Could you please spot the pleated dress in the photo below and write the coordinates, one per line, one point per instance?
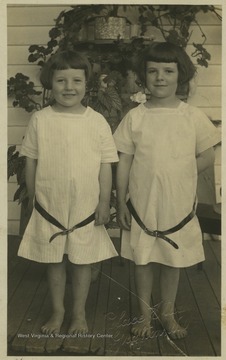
(163, 180)
(69, 149)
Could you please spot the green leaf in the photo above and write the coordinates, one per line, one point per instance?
(114, 97)
(104, 99)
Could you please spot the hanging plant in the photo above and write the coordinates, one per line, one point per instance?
(179, 19)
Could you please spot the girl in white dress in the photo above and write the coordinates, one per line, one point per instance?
(69, 150)
(163, 144)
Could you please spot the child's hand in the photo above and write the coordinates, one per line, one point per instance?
(102, 213)
(124, 216)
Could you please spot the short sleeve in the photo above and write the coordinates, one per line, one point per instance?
(30, 143)
(123, 136)
(107, 145)
(207, 135)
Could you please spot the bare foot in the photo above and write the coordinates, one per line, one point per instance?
(173, 329)
(54, 324)
(78, 326)
(142, 328)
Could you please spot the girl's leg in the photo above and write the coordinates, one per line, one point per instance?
(56, 274)
(144, 281)
(169, 279)
(81, 278)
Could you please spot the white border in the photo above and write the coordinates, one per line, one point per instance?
(3, 167)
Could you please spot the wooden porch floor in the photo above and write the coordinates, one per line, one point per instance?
(111, 307)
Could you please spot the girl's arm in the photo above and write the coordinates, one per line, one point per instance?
(122, 180)
(205, 159)
(30, 171)
(102, 212)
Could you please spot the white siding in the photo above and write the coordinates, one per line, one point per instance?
(30, 24)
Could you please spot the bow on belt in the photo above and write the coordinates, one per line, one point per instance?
(158, 233)
(55, 222)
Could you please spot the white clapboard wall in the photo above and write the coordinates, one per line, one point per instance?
(30, 24)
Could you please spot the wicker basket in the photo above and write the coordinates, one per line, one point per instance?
(110, 28)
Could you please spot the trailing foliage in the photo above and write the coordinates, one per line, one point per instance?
(23, 92)
(16, 166)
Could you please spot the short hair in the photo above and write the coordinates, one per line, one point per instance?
(166, 52)
(63, 60)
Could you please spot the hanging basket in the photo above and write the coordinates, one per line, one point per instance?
(111, 28)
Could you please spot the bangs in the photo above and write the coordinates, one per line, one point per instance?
(163, 57)
(65, 62)
(159, 53)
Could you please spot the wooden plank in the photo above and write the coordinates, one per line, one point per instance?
(25, 331)
(197, 340)
(209, 18)
(212, 270)
(13, 210)
(206, 96)
(18, 117)
(216, 248)
(13, 244)
(16, 134)
(118, 315)
(141, 346)
(213, 34)
(19, 303)
(210, 76)
(13, 227)
(17, 55)
(98, 342)
(208, 306)
(33, 14)
(28, 35)
(18, 267)
(37, 342)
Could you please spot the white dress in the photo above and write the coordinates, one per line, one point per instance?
(70, 149)
(163, 180)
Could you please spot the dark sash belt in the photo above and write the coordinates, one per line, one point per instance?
(54, 221)
(158, 233)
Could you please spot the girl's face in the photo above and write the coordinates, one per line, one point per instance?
(162, 79)
(68, 88)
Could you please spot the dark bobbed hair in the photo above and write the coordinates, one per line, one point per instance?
(63, 60)
(166, 52)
